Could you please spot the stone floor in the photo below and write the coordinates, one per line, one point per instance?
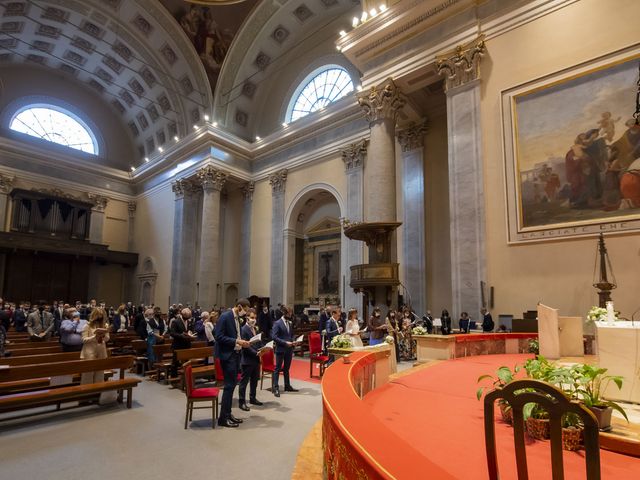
(150, 442)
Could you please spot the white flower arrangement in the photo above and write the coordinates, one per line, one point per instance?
(419, 330)
(597, 314)
(341, 341)
(389, 340)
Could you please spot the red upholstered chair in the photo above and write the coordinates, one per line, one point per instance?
(316, 354)
(198, 395)
(267, 366)
(220, 373)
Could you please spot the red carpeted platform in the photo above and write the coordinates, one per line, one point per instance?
(436, 412)
(300, 370)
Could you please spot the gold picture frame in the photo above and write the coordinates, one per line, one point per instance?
(572, 151)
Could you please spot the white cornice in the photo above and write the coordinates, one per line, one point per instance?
(423, 55)
(59, 183)
(43, 156)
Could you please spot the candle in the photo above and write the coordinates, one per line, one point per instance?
(611, 316)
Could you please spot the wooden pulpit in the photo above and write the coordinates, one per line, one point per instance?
(559, 336)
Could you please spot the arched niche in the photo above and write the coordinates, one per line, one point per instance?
(313, 261)
(147, 279)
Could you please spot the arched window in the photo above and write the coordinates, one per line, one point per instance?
(54, 124)
(320, 88)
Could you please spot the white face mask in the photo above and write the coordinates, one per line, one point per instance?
(251, 321)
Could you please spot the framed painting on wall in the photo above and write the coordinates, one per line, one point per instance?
(328, 272)
(572, 152)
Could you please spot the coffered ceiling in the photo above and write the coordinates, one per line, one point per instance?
(133, 53)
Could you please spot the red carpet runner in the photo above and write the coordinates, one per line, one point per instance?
(300, 371)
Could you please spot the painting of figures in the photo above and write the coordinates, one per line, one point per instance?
(211, 29)
(577, 148)
(329, 273)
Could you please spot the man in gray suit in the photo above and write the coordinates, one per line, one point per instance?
(40, 324)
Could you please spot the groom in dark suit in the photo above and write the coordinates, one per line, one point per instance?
(250, 364)
(228, 347)
(282, 335)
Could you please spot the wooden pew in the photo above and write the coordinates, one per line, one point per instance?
(195, 356)
(29, 344)
(37, 359)
(34, 384)
(164, 357)
(57, 396)
(142, 363)
(35, 351)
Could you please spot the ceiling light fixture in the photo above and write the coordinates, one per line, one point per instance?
(342, 33)
(355, 22)
(215, 124)
(133, 169)
(206, 117)
(373, 12)
(338, 48)
(195, 127)
(364, 17)
(285, 124)
(382, 7)
(258, 138)
(176, 138)
(146, 159)
(160, 149)
(359, 88)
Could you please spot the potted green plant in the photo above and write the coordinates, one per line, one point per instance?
(572, 432)
(503, 376)
(534, 346)
(590, 384)
(536, 421)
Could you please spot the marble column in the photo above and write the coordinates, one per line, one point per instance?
(6, 185)
(212, 181)
(131, 207)
(381, 106)
(411, 142)
(461, 69)
(184, 242)
(353, 156)
(96, 227)
(278, 182)
(245, 241)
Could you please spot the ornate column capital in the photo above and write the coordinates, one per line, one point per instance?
(131, 207)
(353, 155)
(99, 202)
(412, 137)
(182, 187)
(383, 101)
(6, 183)
(211, 178)
(247, 190)
(462, 65)
(278, 181)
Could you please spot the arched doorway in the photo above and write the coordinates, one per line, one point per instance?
(314, 264)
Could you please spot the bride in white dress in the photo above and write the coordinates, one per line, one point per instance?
(353, 328)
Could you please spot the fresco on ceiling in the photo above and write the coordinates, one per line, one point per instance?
(211, 29)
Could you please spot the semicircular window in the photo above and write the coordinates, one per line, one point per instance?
(55, 124)
(319, 90)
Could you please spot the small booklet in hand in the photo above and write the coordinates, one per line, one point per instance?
(256, 338)
(299, 339)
